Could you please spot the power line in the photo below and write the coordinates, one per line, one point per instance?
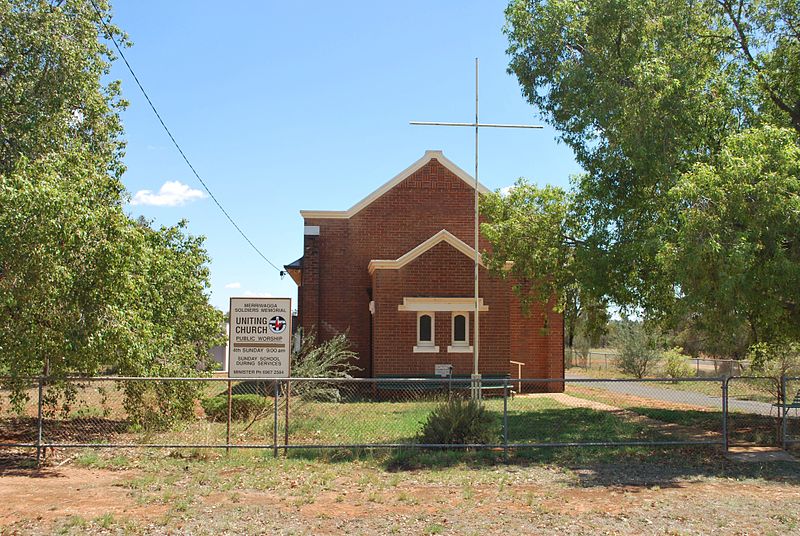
(171, 137)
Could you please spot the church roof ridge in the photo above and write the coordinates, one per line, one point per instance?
(429, 155)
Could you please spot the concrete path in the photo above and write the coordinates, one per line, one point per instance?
(653, 391)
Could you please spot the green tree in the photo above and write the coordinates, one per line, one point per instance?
(735, 255)
(685, 116)
(52, 98)
(83, 288)
(531, 227)
(61, 265)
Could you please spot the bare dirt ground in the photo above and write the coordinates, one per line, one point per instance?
(208, 493)
(51, 495)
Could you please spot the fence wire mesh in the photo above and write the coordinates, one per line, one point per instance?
(754, 411)
(687, 411)
(18, 424)
(791, 411)
(125, 413)
(327, 413)
(608, 359)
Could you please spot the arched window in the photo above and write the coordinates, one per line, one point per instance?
(425, 329)
(460, 329)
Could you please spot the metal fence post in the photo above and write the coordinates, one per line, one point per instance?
(286, 420)
(505, 418)
(228, 430)
(39, 425)
(275, 421)
(785, 412)
(725, 414)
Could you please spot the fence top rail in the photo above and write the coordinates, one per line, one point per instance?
(774, 378)
(409, 380)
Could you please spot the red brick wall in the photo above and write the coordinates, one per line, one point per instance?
(336, 284)
(537, 339)
(440, 272)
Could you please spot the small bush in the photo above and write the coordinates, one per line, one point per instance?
(330, 359)
(638, 348)
(459, 421)
(157, 405)
(243, 407)
(675, 365)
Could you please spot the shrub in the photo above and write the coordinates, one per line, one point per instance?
(320, 394)
(638, 348)
(458, 421)
(330, 359)
(775, 359)
(243, 407)
(157, 405)
(675, 365)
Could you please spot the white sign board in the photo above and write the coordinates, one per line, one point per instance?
(443, 370)
(260, 338)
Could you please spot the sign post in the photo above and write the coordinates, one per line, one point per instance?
(260, 344)
(260, 338)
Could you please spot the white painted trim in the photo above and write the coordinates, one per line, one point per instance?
(453, 342)
(432, 342)
(311, 230)
(426, 349)
(442, 236)
(397, 179)
(441, 304)
(459, 349)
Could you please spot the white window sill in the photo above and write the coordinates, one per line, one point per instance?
(459, 349)
(426, 349)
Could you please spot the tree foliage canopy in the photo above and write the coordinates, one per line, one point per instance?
(685, 115)
(83, 287)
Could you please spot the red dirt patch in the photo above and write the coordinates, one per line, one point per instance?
(56, 494)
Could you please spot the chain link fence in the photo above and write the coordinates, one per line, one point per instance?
(791, 408)
(754, 411)
(43, 419)
(608, 359)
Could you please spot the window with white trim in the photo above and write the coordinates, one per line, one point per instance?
(460, 329)
(459, 332)
(426, 332)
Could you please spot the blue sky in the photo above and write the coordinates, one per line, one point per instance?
(283, 106)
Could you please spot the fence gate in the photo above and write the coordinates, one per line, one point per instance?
(754, 411)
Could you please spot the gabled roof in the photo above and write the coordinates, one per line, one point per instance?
(294, 265)
(442, 236)
(400, 177)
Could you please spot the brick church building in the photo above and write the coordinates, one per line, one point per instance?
(396, 270)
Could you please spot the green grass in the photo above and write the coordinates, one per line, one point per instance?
(539, 420)
(94, 459)
(530, 420)
(543, 420)
(743, 428)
